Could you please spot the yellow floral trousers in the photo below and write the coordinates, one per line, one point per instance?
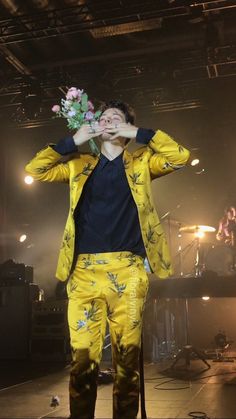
(113, 287)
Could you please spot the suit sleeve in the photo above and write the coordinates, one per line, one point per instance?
(166, 155)
(46, 166)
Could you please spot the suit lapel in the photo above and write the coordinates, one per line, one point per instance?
(128, 165)
(134, 178)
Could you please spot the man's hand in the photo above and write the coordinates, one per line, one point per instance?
(123, 129)
(86, 132)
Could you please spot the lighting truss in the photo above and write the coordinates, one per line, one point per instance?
(99, 17)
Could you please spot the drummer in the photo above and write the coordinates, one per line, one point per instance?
(227, 227)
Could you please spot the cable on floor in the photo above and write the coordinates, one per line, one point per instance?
(198, 415)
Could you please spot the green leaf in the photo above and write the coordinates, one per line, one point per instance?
(84, 102)
(76, 106)
(73, 124)
(97, 114)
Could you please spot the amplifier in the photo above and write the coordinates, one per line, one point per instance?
(15, 310)
(49, 330)
(10, 271)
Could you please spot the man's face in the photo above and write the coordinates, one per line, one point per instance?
(229, 215)
(110, 118)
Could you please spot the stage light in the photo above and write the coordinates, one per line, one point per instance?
(200, 234)
(22, 238)
(205, 298)
(28, 180)
(200, 172)
(195, 162)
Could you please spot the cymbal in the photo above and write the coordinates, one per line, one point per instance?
(197, 228)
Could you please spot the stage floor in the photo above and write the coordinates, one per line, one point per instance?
(26, 390)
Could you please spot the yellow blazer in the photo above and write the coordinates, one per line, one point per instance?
(162, 155)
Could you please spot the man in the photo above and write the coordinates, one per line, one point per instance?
(227, 233)
(112, 225)
(227, 227)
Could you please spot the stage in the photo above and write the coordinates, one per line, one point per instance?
(27, 390)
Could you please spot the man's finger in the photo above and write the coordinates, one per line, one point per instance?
(96, 134)
(115, 136)
(111, 130)
(97, 130)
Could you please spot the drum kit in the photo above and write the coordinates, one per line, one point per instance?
(217, 258)
(199, 255)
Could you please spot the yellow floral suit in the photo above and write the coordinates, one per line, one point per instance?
(110, 285)
(162, 156)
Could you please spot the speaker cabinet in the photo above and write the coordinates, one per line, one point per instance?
(15, 308)
(49, 331)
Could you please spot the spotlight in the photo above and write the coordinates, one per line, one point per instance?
(199, 234)
(205, 298)
(22, 238)
(194, 162)
(28, 180)
(200, 172)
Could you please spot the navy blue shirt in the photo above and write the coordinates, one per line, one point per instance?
(106, 216)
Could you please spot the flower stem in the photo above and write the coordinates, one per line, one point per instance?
(93, 147)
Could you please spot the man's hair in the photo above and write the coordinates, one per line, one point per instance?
(122, 106)
(232, 210)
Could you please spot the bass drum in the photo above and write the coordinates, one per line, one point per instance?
(219, 259)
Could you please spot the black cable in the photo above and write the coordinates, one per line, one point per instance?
(198, 415)
(169, 381)
(157, 386)
(215, 375)
(170, 388)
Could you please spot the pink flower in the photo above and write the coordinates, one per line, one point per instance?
(71, 95)
(90, 106)
(79, 95)
(56, 108)
(89, 116)
(74, 93)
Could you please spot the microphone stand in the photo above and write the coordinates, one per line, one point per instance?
(167, 216)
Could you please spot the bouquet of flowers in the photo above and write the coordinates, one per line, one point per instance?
(78, 110)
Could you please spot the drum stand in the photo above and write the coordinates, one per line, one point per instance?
(199, 263)
(188, 349)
